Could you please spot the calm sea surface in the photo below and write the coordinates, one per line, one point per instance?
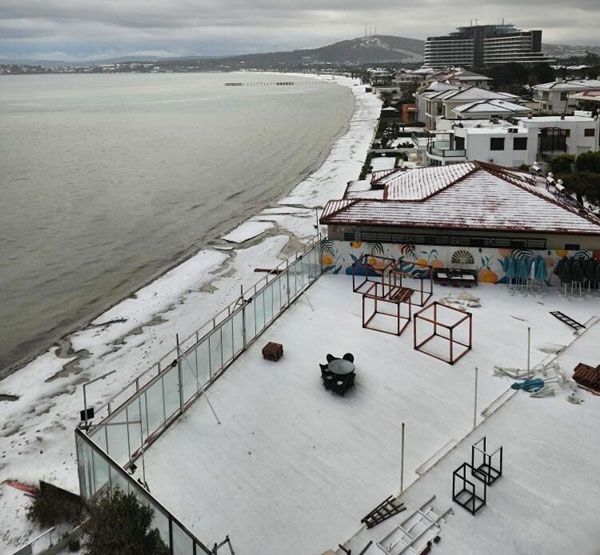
(108, 180)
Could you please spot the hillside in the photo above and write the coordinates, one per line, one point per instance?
(374, 49)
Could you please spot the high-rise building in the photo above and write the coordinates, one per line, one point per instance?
(482, 45)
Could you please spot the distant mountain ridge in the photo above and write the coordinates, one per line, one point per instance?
(369, 49)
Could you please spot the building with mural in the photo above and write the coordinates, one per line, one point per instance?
(472, 214)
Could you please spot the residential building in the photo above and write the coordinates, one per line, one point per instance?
(494, 108)
(473, 204)
(442, 103)
(481, 45)
(557, 95)
(511, 143)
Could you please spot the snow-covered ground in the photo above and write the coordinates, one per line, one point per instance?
(293, 468)
(548, 498)
(36, 430)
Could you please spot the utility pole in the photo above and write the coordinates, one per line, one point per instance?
(402, 462)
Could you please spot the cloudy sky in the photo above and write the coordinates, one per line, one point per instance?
(95, 29)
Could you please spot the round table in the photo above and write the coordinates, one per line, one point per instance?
(341, 367)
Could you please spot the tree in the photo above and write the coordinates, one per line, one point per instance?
(120, 525)
(583, 184)
(562, 163)
(588, 162)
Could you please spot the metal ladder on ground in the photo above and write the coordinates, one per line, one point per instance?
(569, 321)
(409, 536)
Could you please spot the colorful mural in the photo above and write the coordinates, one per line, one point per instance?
(490, 263)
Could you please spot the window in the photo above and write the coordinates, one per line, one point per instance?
(571, 247)
(497, 143)
(520, 143)
(564, 96)
(591, 132)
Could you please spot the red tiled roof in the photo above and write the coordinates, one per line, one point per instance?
(473, 195)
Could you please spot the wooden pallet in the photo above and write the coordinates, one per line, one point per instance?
(569, 321)
(388, 508)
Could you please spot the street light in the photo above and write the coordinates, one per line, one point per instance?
(86, 414)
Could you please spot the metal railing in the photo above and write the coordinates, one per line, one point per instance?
(100, 473)
(143, 410)
(446, 152)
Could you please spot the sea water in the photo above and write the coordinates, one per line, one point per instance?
(108, 180)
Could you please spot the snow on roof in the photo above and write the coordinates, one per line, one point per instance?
(495, 105)
(572, 85)
(587, 95)
(472, 195)
(475, 93)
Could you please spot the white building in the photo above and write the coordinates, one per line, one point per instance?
(556, 96)
(510, 143)
(442, 103)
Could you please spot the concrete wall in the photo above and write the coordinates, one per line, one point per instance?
(338, 257)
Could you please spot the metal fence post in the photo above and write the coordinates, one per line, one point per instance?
(244, 338)
(179, 374)
(287, 277)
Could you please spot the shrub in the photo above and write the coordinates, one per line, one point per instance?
(53, 506)
(588, 162)
(120, 525)
(563, 163)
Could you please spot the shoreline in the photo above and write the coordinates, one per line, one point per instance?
(137, 331)
(60, 338)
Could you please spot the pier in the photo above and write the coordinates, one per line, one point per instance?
(276, 83)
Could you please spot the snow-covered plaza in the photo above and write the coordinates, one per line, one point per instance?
(284, 466)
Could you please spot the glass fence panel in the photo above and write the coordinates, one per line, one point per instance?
(292, 278)
(203, 362)
(214, 342)
(101, 473)
(250, 321)
(155, 406)
(117, 480)
(182, 543)
(171, 387)
(276, 293)
(238, 331)
(116, 433)
(134, 423)
(268, 303)
(189, 372)
(85, 466)
(227, 338)
(259, 312)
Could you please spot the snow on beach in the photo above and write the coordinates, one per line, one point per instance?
(37, 427)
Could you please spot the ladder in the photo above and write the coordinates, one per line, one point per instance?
(410, 535)
(569, 321)
(388, 508)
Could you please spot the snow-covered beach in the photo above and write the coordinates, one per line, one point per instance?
(37, 426)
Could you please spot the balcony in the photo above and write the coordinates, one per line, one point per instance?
(442, 151)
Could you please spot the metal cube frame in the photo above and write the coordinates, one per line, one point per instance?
(466, 494)
(489, 468)
(362, 263)
(431, 314)
(422, 295)
(379, 294)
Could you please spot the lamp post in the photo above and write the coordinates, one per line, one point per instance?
(85, 408)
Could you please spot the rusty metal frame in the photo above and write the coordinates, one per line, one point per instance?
(396, 275)
(422, 316)
(360, 263)
(380, 293)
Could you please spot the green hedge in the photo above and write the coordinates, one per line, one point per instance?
(588, 162)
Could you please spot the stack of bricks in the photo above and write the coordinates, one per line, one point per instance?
(272, 351)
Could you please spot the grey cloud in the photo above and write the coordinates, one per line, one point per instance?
(249, 25)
